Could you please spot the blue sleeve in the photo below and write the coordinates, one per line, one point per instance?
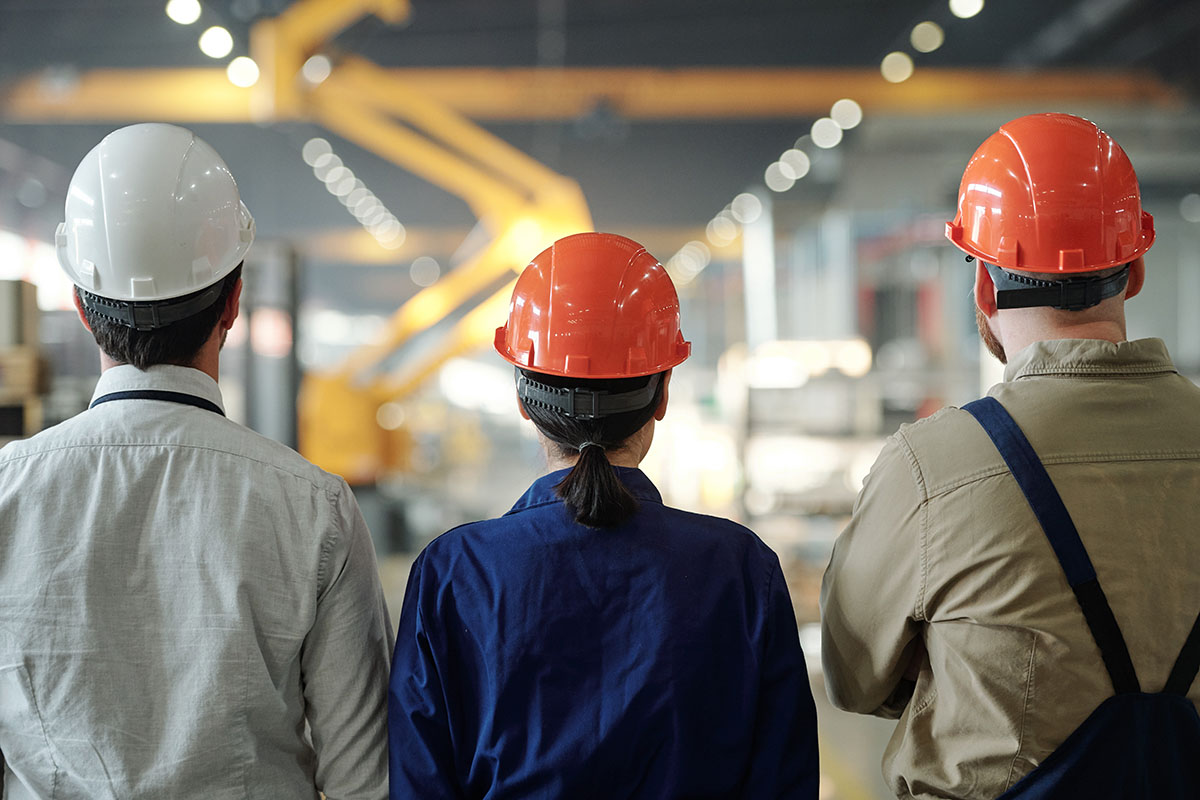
(420, 754)
(784, 764)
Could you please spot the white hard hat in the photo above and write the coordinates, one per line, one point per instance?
(152, 213)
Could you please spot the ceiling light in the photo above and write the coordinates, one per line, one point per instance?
(896, 67)
(776, 180)
(216, 42)
(746, 208)
(344, 187)
(316, 69)
(965, 9)
(826, 133)
(846, 113)
(927, 37)
(242, 71)
(315, 148)
(185, 12)
(795, 164)
(721, 230)
(1189, 207)
(425, 271)
(335, 174)
(325, 164)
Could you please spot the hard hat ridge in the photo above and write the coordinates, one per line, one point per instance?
(152, 214)
(1051, 193)
(593, 306)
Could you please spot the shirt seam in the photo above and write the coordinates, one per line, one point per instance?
(1024, 714)
(923, 522)
(175, 445)
(1068, 370)
(1072, 458)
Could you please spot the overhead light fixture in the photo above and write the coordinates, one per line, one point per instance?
(965, 9)
(1189, 207)
(316, 69)
(342, 183)
(794, 163)
(216, 42)
(315, 148)
(185, 12)
(425, 271)
(777, 179)
(896, 67)
(927, 37)
(846, 113)
(242, 71)
(826, 133)
(746, 208)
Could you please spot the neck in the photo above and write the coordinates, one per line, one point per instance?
(630, 454)
(1020, 328)
(208, 360)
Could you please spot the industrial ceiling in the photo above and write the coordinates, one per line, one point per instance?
(661, 110)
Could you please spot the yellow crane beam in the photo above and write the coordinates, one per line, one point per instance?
(205, 95)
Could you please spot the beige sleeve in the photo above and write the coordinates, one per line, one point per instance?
(873, 588)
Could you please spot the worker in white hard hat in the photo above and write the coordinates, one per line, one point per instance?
(1020, 580)
(187, 609)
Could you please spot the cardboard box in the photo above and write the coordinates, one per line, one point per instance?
(18, 314)
(22, 373)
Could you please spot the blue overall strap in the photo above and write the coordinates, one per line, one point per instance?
(1056, 522)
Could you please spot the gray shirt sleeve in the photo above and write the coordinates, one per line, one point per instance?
(345, 661)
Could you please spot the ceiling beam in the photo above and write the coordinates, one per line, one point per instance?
(515, 95)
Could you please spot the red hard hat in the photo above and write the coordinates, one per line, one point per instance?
(594, 305)
(1051, 193)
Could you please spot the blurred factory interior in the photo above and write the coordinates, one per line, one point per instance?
(792, 164)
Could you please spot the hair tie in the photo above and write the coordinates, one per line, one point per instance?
(590, 444)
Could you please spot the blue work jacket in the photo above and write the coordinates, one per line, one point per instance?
(539, 658)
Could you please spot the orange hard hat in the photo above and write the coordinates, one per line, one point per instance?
(1051, 193)
(594, 305)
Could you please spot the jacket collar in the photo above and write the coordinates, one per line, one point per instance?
(163, 377)
(1090, 357)
(542, 490)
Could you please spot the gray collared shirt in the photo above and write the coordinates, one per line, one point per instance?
(187, 609)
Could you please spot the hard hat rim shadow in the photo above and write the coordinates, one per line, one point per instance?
(1051, 193)
(593, 306)
(152, 214)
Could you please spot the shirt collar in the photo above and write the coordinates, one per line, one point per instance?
(542, 490)
(1090, 357)
(166, 377)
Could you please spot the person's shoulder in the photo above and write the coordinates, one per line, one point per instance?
(61, 436)
(249, 444)
(705, 529)
(943, 450)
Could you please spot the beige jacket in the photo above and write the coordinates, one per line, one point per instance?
(944, 549)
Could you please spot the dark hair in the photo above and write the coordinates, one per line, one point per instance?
(592, 490)
(177, 343)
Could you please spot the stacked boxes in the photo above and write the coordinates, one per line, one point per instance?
(23, 376)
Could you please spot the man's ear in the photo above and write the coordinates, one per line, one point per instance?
(521, 407)
(1137, 277)
(79, 309)
(661, 411)
(985, 290)
(233, 306)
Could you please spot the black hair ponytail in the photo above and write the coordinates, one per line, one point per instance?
(592, 490)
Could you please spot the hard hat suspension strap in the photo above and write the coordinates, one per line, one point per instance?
(151, 315)
(584, 403)
(1072, 294)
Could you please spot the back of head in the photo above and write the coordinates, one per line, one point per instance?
(154, 234)
(593, 327)
(1051, 204)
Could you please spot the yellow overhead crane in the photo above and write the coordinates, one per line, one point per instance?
(523, 205)
(520, 202)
